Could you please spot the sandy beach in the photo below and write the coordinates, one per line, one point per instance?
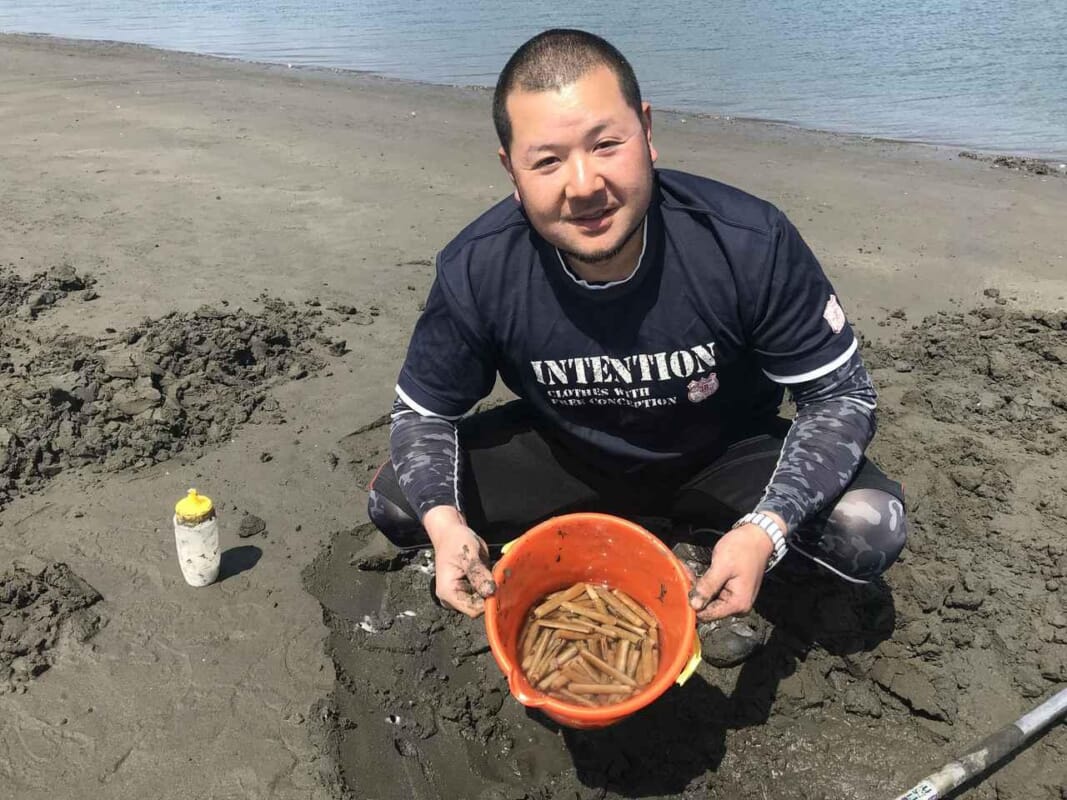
(305, 208)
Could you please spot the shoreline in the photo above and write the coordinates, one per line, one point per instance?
(1054, 164)
(856, 199)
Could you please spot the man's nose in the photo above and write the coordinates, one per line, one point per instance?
(584, 179)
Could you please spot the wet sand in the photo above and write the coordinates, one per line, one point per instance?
(177, 181)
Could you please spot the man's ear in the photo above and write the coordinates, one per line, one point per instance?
(646, 123)
(505, 162)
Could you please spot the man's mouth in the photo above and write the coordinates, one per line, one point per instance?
(592, 220)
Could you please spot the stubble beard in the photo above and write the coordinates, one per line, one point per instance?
(600, 256)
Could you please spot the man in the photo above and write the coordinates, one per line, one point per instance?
(648, 320)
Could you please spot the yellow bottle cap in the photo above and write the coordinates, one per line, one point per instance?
(194, 508)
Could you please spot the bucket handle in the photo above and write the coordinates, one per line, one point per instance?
(691, 665)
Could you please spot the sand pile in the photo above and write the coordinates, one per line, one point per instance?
(140, 396)
(993, 369)
(26, 298)
(987, 564)
(36, 609)
(859, 691)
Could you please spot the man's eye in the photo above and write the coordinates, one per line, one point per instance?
(545, 162)
(607, 144)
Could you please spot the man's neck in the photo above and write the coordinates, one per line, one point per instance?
(618, 268)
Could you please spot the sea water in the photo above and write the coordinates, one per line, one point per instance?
(980, 73)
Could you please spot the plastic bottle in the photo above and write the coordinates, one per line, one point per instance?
(196, 533)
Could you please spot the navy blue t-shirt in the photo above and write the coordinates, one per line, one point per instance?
(726, 305)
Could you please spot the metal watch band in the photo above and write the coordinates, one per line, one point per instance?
(770, 527)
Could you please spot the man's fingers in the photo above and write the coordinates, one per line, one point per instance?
(707, 587)
(471, 604)
(735, 597)
(461, 599)
(481, 579)
(474, 568)
(718, 609)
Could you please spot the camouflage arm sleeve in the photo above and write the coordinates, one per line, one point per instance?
(824, 447)
(425, 454)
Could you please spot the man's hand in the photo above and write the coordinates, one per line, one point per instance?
(463, 579)
(733, 580)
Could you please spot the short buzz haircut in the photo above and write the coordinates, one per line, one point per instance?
(554, 59)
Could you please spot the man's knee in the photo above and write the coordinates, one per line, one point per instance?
(398, 525)
(865, 533)
(860, 539)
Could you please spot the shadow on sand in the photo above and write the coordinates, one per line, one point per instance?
(664, 748)
(237, 560)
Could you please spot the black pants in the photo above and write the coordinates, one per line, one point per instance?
(518, 472)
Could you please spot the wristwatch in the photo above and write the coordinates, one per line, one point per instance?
(770, 527)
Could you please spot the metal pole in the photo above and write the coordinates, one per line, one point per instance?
(989, 751)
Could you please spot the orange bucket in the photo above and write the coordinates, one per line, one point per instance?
(598, 549)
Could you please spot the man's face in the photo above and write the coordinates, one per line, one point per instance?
(581, 161)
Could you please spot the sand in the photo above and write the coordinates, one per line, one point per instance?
(284, 221)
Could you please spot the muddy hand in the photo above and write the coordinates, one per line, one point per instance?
(463, 578)
(733, 580)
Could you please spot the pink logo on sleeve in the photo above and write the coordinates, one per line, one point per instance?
(834, 315)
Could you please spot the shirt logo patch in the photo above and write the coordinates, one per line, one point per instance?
(834, 315)
(703, 388)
